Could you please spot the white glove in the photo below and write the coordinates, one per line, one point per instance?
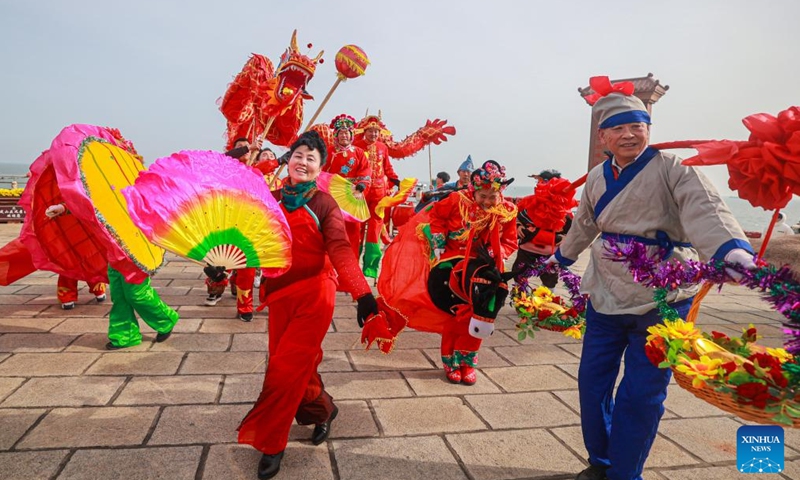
(438, 253)
(55, 210)
(739, 256)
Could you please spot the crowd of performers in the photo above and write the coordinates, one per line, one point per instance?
(472, 221)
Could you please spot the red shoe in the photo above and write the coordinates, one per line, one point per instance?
(453, 375)
(468, 375)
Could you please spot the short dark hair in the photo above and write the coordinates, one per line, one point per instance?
(313, 141)
(241, 139)
(444, 176)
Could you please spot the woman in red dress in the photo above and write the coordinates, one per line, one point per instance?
(301, 305)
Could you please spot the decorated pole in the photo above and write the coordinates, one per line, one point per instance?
(351, 62)
(430, 165)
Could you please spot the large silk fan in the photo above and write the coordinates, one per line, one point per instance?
(404, 190)
(210, 208)
(340, 188)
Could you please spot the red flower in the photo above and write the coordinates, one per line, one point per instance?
(753, 393)
(729, 367)
(751, 335)
(655, 350)
(769, 364)
(543, 314)
(720, 336)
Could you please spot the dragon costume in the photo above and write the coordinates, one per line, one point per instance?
(259, 92)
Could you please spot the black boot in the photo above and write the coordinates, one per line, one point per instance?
(322, 430)
(594, 472)
(269, 465)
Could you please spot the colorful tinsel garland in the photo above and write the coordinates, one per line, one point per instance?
(539, 309)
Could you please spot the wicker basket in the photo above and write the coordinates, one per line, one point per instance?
(723, 401)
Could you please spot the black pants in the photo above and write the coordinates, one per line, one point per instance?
(524, 261)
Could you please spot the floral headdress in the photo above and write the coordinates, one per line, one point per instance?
(343, 122)
(491, 176)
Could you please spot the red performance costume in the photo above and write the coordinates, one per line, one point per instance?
(351, 163)
(301, 303)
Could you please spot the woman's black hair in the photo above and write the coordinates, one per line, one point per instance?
(444, 176)
(313, 141)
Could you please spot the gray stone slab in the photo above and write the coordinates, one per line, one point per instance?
(570, 369)
(233, 325)
(224, 362)
(46, 364)
(685, 404)
(173, 463)
(522, 410)
(28, 325)
(240, 462)
(536, 355)
(242, 388)
(28, 311)
(366, 385)
(250, 342)
(435, 383)
(343, 341)
(198, 424)
(15, 423)
(34, 342)
(335, 361)
(79, 326)
(501, 338)
(574, 348)
(396, 459)
(96, 342)
(224, 310)
(170, 390)
(8, 385)
(193, 342)
(414, 416)
(373, 360)
(30, 465)
(91, 427)
(711, 439)
(664, 453)
(486, 358)
(92, 310)
(65, 392)
(528, 454)
(530, 378)
(419, 340)
(137, 363)
(711, 473)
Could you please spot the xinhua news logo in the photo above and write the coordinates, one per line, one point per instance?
(759, 449)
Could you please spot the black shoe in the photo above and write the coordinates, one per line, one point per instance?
(322, 430)
(111, 346)
(594, 472)
(246, 317)
(269, 465)
(163, 336)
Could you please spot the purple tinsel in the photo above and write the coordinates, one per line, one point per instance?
(778, 285)
(571, 281)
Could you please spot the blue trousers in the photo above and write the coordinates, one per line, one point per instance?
(618, 433)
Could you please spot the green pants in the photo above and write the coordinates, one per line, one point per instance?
(127, 298)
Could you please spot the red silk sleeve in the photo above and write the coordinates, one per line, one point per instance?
(508, 238)
(388, 170)
(363, 170)
(337, 245)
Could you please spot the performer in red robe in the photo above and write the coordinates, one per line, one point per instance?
(67, 291)
(301, 303)
(351, 163)
(382, 175)
(459, 223)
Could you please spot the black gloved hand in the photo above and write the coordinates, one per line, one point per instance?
(284, 159)
(367, 305)
(395, 181)
(361, 187)
(216, 274)
(238, 152)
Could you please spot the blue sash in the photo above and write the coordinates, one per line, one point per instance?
(614, 186)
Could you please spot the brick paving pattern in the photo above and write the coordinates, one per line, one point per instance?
(69, 409)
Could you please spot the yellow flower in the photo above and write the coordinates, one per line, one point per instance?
(543, 292)
(678, 329)
(780, 354)
(701, 370)
(574, 332)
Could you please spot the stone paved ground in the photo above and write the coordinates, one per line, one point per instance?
(71, 410)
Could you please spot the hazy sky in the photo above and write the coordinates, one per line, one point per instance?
(504, 73)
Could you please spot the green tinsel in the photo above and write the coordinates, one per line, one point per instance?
(665, 311)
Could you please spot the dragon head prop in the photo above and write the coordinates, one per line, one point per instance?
(294, 72)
